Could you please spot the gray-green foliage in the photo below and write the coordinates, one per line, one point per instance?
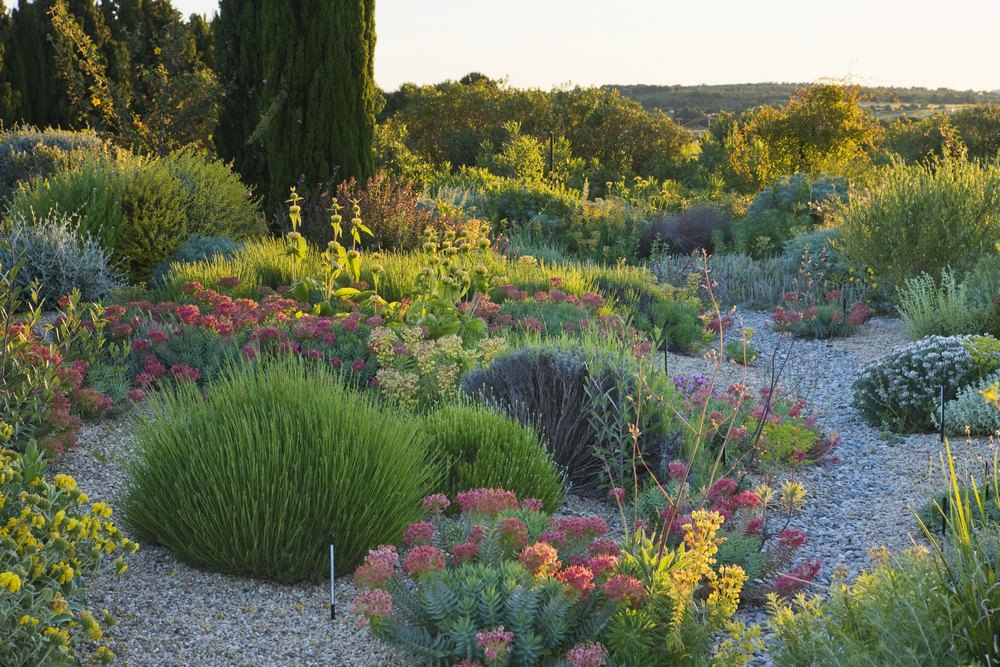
(481, 448)
(796, 203)
(902, 389)
(437, 622)
(938, 308)
(253, 476)
(58, 258)
(969, 411)
(27, 153)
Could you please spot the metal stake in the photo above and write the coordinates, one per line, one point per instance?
(333, 589)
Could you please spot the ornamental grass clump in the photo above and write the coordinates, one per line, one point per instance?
(253, 476)
(902, 389)
(484, 448)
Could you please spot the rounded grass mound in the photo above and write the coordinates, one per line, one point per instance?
(253, 477)
(485, 449)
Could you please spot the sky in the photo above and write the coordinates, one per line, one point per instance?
(547, 43)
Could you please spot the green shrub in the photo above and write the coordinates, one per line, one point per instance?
(92, 192)
(819, 244)
(27, 153)
(52, 551)
(792, 205)
(485, 449)
(924, 218)
(217, 203)
(154, 208)
(903, 388)
(983, 284)
(254, 477)
(938, 308)
(58, 259)
(968, 413)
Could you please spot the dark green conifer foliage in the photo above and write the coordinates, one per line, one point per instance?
(318, 102)
(240, 69)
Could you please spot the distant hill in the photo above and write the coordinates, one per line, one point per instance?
(693, 106)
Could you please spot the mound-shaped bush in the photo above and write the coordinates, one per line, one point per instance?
(253, 477)
(693, 229)
(58, 259)
(482, 448)
(903, 388)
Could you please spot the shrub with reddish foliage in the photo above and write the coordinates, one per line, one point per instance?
(826, 318)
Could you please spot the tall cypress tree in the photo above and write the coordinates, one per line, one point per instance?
(240, 68)
(316, 103)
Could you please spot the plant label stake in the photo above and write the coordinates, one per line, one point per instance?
(942, 411)
(333, 590)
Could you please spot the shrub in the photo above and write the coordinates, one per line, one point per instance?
(154, 208)
(53, 549)
(27, 153)
(968, 413)
(933, 308)
(983, 285)
(91, 192)
(197, 249)
(819, 244)
(903, 388)
(58, 259)
(582, 405)
(33, 403)
(924, 218)
(254, 476)
(483, 448)
(779, 212)
(217, 203)
(696, 228)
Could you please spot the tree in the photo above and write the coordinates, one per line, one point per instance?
(315, 89)
(150, 92)
(979, 127)
(237, 31)
(822, 129)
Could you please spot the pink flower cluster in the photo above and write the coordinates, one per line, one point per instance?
(489, 502)
(589, 654)
(372, 603)
(540, 559)
(495, 643)
(377, 568)
(623, 588)
(423, 560)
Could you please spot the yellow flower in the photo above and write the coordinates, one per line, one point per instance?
(96, 101)
(10, 581)
(64, 482)
(992, 393)
(156, 51)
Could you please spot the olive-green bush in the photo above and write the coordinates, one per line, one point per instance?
(254, 476)
(482, 448)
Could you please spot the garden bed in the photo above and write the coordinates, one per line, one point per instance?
(170, 613)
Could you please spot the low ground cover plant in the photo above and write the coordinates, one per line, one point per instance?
(829, 317)
(505, 584)
(254, 474)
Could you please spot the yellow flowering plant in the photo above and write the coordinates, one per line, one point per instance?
(51, 546)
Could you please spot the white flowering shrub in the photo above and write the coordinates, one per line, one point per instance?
(902, 389)
(969, 413)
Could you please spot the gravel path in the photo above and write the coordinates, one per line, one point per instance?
(171, 614)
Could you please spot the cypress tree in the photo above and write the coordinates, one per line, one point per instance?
(318, 101)
(237, 31)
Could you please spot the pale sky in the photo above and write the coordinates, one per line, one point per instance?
(544, 43)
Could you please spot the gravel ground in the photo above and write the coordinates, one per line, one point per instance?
(171, 614)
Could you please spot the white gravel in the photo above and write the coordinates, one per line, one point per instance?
(171, 614)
